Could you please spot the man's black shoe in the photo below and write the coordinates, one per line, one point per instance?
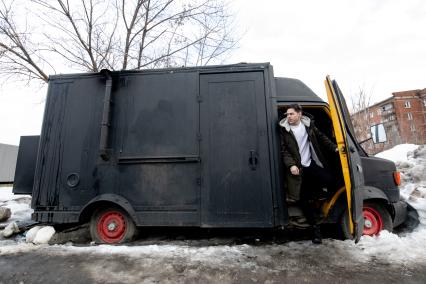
(316, 238)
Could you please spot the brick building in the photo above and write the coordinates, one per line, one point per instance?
(403, 116)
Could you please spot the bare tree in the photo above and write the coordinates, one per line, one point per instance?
(361, 117)
(18, 56)
(89, 35)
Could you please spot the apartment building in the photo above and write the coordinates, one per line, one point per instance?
(403, 116)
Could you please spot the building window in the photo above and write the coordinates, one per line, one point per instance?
(410, 116)
(371, 114)
(407, 104)
(424, 102)
(387, 107)
(412, 127)
(378, 111)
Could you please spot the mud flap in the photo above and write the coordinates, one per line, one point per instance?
(411, 221)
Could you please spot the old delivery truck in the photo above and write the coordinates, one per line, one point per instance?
(190, 147)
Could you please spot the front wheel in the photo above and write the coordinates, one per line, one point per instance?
(376, 218)
(112, 226)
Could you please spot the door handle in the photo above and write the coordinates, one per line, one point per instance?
(253, 160)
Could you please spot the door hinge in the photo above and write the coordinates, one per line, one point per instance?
(198, 181)
(199, 99)
(199, 136)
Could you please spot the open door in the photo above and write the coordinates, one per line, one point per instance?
(349, 157)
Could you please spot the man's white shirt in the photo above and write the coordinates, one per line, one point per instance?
(301, 135)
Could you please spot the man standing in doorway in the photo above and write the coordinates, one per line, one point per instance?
(304, 162)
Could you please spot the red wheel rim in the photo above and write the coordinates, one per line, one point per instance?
(373, 222)
(112, 227)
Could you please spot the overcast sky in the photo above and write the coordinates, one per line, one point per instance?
(376, 45)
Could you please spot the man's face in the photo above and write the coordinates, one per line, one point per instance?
(293, 117)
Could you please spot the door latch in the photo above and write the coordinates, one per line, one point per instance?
(253, 160)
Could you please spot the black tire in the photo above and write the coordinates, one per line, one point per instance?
(344, 226)
(376, 219)
(112, 225)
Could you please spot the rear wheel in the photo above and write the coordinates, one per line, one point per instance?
(112, 226)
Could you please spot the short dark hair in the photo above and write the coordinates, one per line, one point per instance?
(296, 107)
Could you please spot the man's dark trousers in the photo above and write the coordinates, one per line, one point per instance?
(314, 179)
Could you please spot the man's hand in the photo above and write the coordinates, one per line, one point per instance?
(294, 170)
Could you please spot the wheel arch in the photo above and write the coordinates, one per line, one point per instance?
(107, 200)
(370, 193)
(375, 194)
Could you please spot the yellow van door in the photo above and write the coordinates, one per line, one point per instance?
(349, 157)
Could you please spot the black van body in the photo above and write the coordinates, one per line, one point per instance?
(175, 147)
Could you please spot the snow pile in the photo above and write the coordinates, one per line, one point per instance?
(39, 235)
(21, 212)
(411, 162)
(10, 229)
(413, 176)
(399, 153)
(44, 235)
(18, 204)
(31, 234)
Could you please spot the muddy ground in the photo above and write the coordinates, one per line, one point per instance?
(36, 267)
(217, 259)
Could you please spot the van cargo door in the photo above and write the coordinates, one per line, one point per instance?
(236, 188)
(25, 165)
(349, 156)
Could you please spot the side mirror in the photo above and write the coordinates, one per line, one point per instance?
(378, 133)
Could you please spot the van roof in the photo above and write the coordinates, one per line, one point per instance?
(244, 67)
(294, 90)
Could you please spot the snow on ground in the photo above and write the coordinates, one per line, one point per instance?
(404, 248)
(398, 153)
(18, 204)
(411, 162)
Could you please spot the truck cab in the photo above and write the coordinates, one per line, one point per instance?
(382, 207)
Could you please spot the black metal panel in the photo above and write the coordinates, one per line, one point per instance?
(281, 217)
(155, 134)
(160, 186)
(159, 115)
(236, 187)
(379, 173)
(69, 145)
(25, 165)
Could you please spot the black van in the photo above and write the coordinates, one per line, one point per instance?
(189, 147)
